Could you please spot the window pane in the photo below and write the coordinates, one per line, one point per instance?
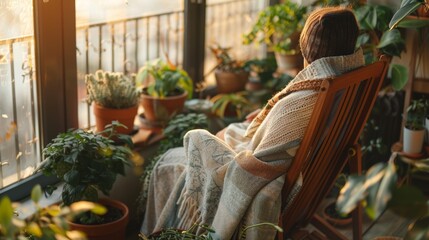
(226, 22)
(121, 35)
(19, 135)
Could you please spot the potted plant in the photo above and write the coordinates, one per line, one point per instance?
(116, 99)
(279, 26)
(45, 223)
(380, 189)
(230, 73)
(88, 163)
(261, 72)
(231, 107)
(165, 89)
(414, 129)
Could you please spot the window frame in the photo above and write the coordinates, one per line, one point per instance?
(56, 74)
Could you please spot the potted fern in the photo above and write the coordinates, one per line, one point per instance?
(279, 27)
(116, 99)
(164, 90)
(230, 74)
(88, 163)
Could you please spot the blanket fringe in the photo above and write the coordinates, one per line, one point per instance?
(188, 213)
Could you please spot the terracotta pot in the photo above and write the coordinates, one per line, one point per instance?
(423, 10)
(108, 231)
(230, 82)
(288, 62)
(162, 109)
(335, 221)
(104, 116)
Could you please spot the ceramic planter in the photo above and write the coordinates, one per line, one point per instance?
(104, 116)
(413, 141)
(161, 110)
(287, 62)
(115, 230)
(230, 82)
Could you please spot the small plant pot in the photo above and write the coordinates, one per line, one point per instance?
(104, 116)
(230, 82)
(413, 141)
(423, 10)
(287, 62)
(332, 216)
(161, 110)
(109, 231)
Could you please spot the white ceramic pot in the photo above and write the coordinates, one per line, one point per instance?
(427, 130)
(413, 140)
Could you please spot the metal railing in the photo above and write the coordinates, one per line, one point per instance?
(226, 22)
(19, 134)
(125, 45)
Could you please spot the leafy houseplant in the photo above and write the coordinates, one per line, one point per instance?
(233, 105)
(115, 96)
(204, 232)
(47, 223)
(231, 75)
(165, 89)
(88, 163)
(376, 39)
(414, 130)
(279, 27)
(378, 189)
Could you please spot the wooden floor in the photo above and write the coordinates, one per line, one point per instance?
(388, 224)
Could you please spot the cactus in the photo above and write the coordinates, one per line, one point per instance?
(111, 89)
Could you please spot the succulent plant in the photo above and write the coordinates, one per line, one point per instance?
(112, 89)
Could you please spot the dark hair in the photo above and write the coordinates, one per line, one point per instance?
(330, 31)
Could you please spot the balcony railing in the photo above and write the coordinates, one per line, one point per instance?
(125, 45)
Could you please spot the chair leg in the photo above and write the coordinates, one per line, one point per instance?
(355, 164)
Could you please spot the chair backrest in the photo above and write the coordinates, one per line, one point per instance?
(340, 113)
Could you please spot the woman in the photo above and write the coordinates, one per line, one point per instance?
(237, 181)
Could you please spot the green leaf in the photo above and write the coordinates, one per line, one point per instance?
(72, 177)
(413, 23)
(419, 230)
(36, 193)
(351, 194)
(390, 37)
(399, 75)
(403, 12)
(6, 212)
(378, 201)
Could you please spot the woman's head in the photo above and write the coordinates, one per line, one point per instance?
(330, 31)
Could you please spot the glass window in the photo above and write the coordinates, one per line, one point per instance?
(121, 35)
(226, 22)
(19, 134)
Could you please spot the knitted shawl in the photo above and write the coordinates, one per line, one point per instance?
(237, 182)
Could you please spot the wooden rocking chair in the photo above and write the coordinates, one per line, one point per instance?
(330, 141)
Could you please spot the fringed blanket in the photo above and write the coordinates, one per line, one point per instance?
(237, 182)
